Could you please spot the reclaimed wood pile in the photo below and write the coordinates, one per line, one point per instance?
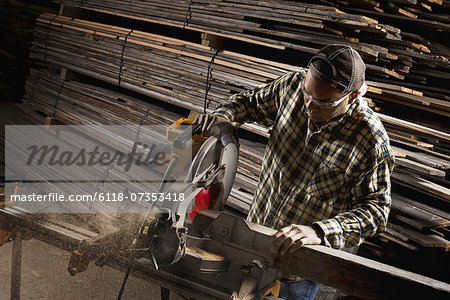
(168, 69)
(391, 47)
(174, 70)
(73, 102)
(421, 193)
(179, 71)
(421, 22)
(423, 50)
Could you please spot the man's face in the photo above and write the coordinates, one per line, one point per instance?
(324, 93)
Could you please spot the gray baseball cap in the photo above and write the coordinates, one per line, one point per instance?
(340, 66)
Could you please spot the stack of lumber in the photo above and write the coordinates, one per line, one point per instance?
(418, 227)
(175, 70)
(426, 18)
(171, 69)
(420, 201)
(270, 22)
(382, 93)
(17, 18)
(165, 68)
(84, 104)
(424, 26)
(303, 27)
(397, 60)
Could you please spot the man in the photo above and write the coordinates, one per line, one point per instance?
(325, 175)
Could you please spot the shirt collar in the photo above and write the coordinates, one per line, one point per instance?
(337, 126)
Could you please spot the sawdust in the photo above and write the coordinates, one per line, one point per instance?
(35, 273)
(204, 254)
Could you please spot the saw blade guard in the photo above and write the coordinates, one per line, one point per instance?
(220, 150)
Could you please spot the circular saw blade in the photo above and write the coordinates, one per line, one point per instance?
(220, 150)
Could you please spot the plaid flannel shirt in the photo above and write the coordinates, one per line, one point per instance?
(336, 176)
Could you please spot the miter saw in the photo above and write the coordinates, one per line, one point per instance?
(162, 236)
(202, 251)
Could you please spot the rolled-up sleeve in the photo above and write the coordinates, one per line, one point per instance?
(372, 197)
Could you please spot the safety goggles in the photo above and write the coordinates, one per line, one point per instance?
(308, 98)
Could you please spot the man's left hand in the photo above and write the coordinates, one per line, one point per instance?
(291, 238)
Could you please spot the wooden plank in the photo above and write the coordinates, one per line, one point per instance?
(430, 187)
(335, 268)
(417, 217)
(420, 203)
(399, 239)
(382, 70)
(393, 87)
(418, 167)
(404, 1)
(424, 158)
(412, 126)
(421, 22)
(425, 240)
(423, 100)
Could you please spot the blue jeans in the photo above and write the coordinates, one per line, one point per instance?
(301, 290)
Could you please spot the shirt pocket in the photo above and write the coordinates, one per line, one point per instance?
(329, 186)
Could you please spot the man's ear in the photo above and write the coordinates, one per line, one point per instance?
(353, 96)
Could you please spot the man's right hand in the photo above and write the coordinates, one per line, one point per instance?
(208, 120)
